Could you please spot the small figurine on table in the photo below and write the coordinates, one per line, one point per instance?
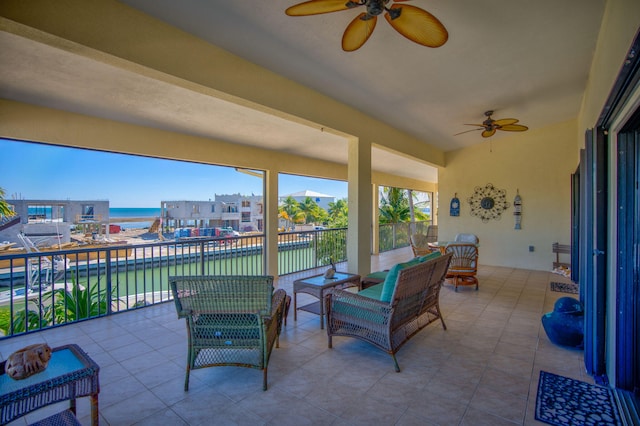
(28, 361)
(331, 271)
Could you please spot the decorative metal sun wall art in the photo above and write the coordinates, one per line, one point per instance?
(488, 202)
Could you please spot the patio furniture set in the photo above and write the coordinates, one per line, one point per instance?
(237, 320)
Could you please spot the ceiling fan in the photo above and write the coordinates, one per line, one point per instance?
(414, 23)
(489, 126)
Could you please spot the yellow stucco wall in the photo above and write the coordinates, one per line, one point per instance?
(539, 164)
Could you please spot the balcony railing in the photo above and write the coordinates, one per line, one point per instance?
(48, 289)
(397, 235)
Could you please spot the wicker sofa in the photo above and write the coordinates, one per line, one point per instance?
(387, 317)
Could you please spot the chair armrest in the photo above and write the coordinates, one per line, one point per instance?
(277, 302)
(182, 313)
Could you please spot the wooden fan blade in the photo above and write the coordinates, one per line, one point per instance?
(488, 133)
(505, 121)
(514, 128)
(316, 7)
(467, 131)
(418, 25)
(479, 125)
(358, 32)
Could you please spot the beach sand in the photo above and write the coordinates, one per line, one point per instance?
(125, 236)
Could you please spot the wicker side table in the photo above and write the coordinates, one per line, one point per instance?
(70, 374)
(316, 286)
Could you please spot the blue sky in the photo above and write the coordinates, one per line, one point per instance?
(38, 171)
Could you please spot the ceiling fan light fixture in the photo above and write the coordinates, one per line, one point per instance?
(489, 125)
(412, 22)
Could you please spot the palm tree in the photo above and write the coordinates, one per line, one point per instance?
(290, 205)
(5, 210)
(410, 196)
(394, 206)
(339, 214)
(414, 209)
(289, 210)
(312, 212)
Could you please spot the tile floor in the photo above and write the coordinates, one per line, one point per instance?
(483, 370)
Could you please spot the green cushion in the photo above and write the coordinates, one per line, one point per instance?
(412, 262)
(380, 275)
(372, 292)
(430, 256)
(389, 283)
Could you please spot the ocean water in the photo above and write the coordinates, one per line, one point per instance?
(138, 212)
(134, 212)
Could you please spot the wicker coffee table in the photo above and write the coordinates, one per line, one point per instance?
(70, 374)
(316, 286)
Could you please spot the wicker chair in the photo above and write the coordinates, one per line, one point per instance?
(420, 242)
(419, 245)
(467, 238)
(388, 325)
(231, 320)
(464, 264)
(432, 233)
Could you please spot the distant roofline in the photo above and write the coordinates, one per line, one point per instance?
(307, 193)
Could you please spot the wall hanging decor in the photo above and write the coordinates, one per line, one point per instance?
(517, 209)
(488, 202)
(454, 206)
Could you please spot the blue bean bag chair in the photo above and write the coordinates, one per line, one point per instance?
(565, 325)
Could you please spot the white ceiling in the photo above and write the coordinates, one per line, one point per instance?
(526, 60)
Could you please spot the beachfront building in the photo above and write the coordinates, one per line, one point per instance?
(322, 200)
(47, 222)
(239, 212)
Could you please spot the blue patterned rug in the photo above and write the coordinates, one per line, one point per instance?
(564, 401)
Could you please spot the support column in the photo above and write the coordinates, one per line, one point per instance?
(434, 206)
(375, 219)
(360, 202)
(271, 223)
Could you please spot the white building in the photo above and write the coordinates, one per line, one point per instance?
(239, 212)
(48, 222)
(321, 200)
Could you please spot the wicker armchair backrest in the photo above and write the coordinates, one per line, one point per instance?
(465, 256)
(418, 287)
(222, 293)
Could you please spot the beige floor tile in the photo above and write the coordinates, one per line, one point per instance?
(483, 370)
